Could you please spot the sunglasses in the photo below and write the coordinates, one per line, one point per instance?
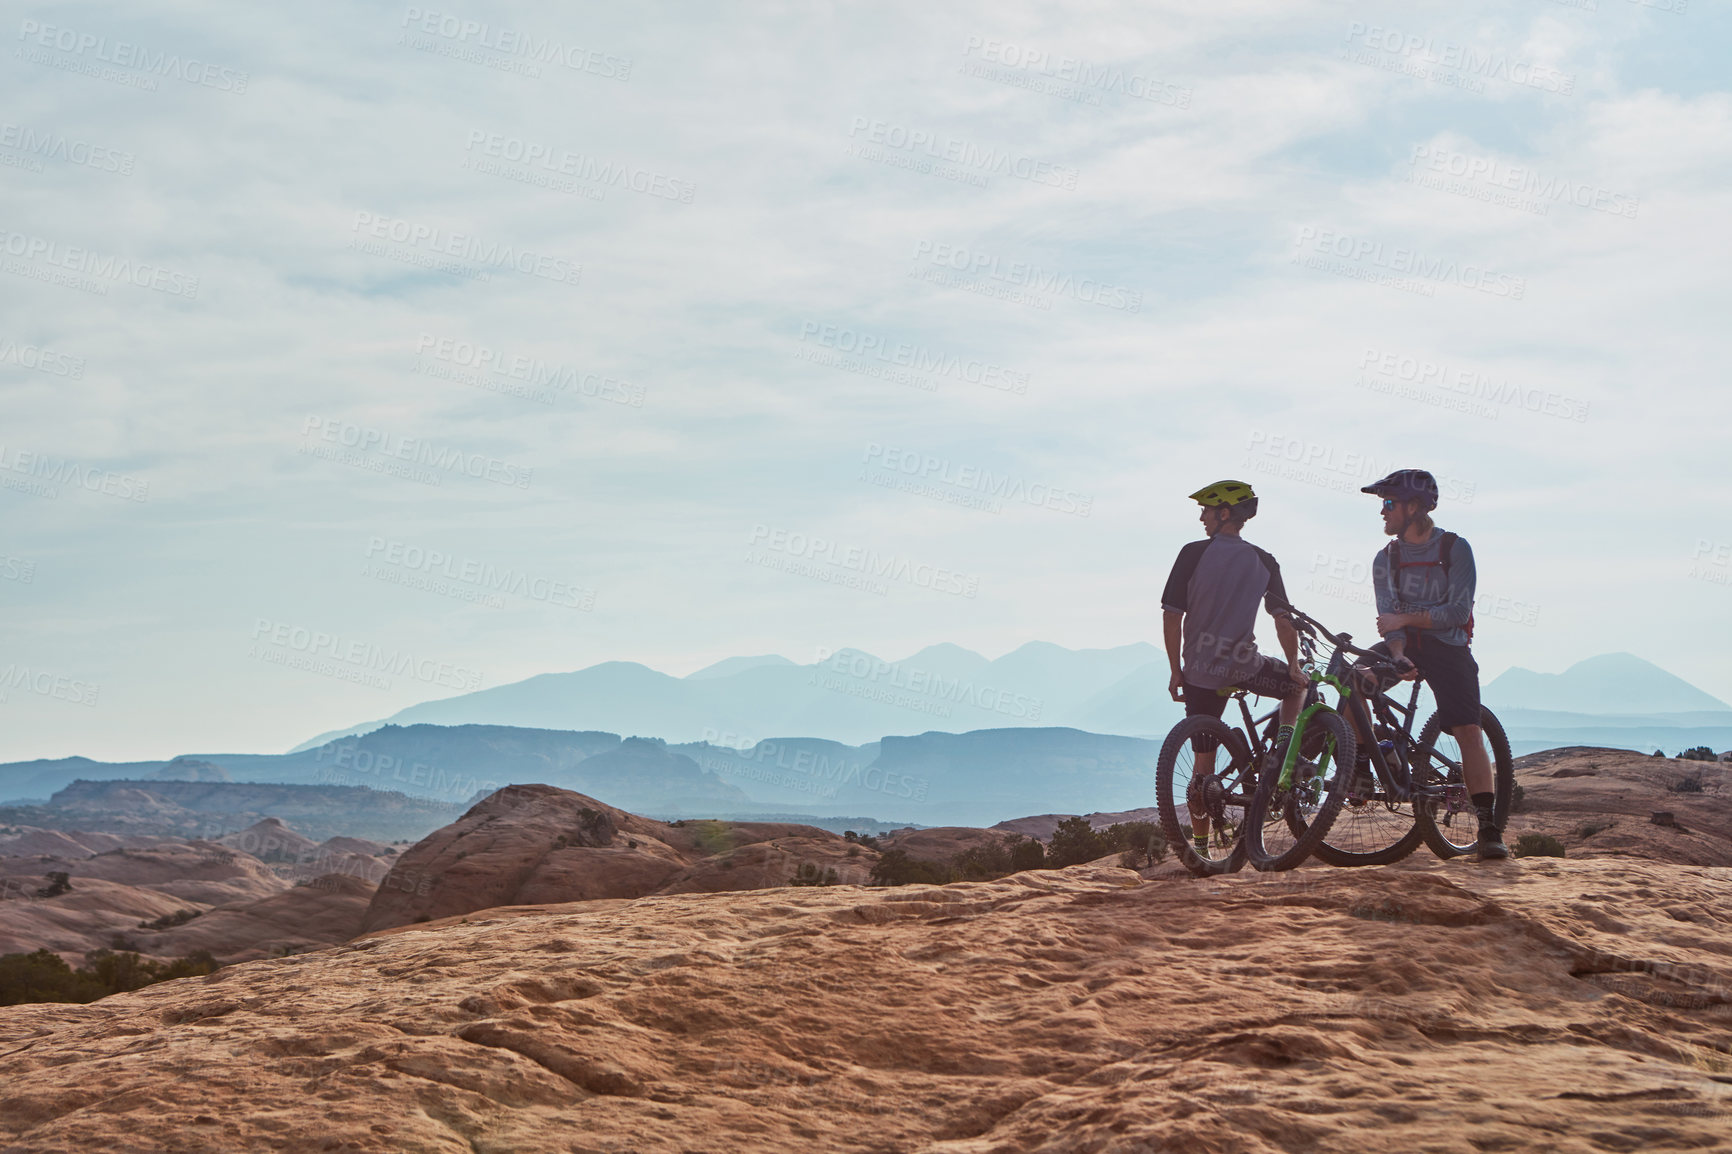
(1389, 504)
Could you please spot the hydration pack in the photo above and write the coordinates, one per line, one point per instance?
(1445, 546)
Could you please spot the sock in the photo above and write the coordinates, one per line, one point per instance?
(1200, 840)
(1485, 804)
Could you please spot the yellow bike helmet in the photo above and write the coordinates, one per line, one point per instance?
(1224, 493)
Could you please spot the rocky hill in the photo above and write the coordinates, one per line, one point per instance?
(534, 843)
(1531, 1005)
(213, 809)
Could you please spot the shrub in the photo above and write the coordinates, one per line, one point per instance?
(1699, 753)
(982, 862)
(1139, 839)
(45, 977)
(1658, 753)
(1538, 845)
(58, 883)
(808, 874)
(1687, 785)
(1517, 798)
(166, 921)
(1074, 842)
(1025, 855)
(896, 868)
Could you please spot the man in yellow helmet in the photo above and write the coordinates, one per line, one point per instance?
(1210, 605)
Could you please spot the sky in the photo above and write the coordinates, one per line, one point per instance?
(381, 352)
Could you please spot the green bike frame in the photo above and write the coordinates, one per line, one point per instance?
(1292, 759)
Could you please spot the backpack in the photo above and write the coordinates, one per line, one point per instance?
(1445, 546)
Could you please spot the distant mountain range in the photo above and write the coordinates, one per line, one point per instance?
(854, 698)
(1045, 729)
(930, 779)
(850, 696)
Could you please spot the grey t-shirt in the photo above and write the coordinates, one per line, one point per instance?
(1418, 583)
(1217, 584)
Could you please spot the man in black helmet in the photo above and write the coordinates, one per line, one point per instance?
(1211, 601)
(1424, 581)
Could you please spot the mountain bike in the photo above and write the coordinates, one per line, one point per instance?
(1411, 790)
(1203, 779)
(1298, 798)
(1205, 776)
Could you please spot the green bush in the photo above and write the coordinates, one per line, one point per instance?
(1517, 798)
(1687, 785)
(1699, 753)
(1025, 855)
(1538, 845)
(896, 868)
(58, 883)
(808, 874)
(1074, 842)
(45, 977)
(1140, 840)
(167, 921)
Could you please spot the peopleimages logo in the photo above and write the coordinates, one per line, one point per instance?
(984, 483)
(1021, 275)
(532, 372)
(917, 358)
(864, 562)
(579, 166)
(86, 46)
(1479, 64)
(463, 246)
(1487, 178)
(365, 439)
(48, 472)
(1468, 384)
(43, 360)
(894, 675)
(516, 42)
(1372, 257)
(1299, 459)
(364, 657)
(481, 574)
(947, 149)
(88, 262)
(48, 146)
(47, 683)
(1081, 73)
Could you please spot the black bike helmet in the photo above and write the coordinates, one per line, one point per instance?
(1406, 485)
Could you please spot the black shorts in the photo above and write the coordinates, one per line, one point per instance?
(1453, 676)
(1270, 680)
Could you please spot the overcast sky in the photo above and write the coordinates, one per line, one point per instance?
(814, 326)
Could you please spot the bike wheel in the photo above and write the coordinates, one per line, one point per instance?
(1372, 827)
(1447, 821)
(1184, 778)
(1284, 826)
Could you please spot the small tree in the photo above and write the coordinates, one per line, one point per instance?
(1140, 840)
(1074, 842)
(59, 882)
(1025, 854)
(896, 868)
(1699, 753)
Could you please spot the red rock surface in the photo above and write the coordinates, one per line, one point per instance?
(531, 844)
(1441, 1007)
(308, 917)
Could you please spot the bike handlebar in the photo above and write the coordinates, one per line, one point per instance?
(1341, 640)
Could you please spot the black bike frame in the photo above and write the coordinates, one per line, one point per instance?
(1397, 779)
